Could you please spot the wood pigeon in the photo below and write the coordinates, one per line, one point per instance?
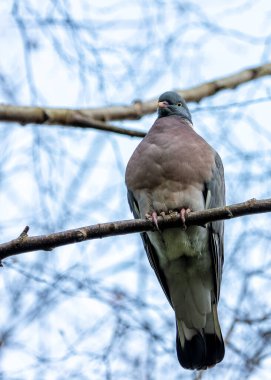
(175, 169)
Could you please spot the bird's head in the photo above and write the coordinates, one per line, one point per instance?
(171, 103)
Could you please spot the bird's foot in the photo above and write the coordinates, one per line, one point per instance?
(153, 218)
(183, 215)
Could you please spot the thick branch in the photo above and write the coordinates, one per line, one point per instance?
(98, 118)
(24, 243)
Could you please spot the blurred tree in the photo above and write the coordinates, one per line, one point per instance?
(95, 310)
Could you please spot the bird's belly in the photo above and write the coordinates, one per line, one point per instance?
(175, 242)
(170, 196)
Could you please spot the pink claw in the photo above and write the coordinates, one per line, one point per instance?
(154, 219)
(183, 214)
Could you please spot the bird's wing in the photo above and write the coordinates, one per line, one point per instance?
(214, 194)
(149, 248)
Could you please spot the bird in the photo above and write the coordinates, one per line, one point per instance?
(173, 169)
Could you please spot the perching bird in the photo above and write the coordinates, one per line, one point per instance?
(174, 169)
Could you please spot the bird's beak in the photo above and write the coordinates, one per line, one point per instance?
(163, 104)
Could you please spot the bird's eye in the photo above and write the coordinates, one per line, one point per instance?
(179, 104)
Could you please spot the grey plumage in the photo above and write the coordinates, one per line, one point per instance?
(174, 168)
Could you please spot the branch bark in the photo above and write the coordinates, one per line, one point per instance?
(98, 118)
(25, 243)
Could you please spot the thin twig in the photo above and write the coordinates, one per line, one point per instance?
(98, 231)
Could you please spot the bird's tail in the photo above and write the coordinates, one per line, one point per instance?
(200, 349)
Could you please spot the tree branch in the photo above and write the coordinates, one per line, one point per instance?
(98, 118)
(25, 243)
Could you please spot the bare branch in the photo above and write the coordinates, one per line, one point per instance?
(97, 118)
(24, 243)
(63, 117)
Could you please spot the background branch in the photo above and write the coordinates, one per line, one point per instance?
(24, 243)
(97, 118)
